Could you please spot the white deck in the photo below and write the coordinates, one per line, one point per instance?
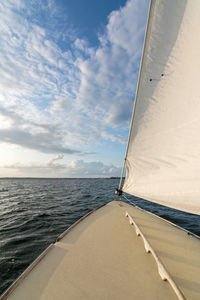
(103, 258)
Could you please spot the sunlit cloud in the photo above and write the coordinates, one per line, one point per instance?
(73, 169)
(59, 94)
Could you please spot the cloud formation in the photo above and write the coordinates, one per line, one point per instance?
(73, 169)
(71, 96)
(58, 93)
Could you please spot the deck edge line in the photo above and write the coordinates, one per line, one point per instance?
(13, 286)
(163, 272)
(165, 220)
(77, 222)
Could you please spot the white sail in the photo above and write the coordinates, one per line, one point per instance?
(163, 154)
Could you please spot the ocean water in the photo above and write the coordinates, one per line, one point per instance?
(33, 212)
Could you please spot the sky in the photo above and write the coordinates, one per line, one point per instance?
(68, 75)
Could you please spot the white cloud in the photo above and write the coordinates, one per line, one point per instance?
(109, 75)
(50, 164)
(94, 168)
(73, 169)
(55, 100)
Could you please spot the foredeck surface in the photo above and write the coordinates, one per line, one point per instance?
(103, 258)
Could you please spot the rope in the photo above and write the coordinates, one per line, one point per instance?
(132, 203)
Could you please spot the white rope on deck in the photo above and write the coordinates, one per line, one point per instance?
(161, 268)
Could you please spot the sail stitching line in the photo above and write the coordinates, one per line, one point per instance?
(161, 268)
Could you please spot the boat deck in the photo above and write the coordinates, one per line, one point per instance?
(102, 257)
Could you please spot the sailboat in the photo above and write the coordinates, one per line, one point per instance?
(120, 251)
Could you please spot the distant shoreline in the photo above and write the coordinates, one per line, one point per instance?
(71, 178)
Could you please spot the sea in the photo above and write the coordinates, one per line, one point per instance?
(35, 211)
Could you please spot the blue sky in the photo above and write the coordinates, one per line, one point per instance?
(68, 76)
